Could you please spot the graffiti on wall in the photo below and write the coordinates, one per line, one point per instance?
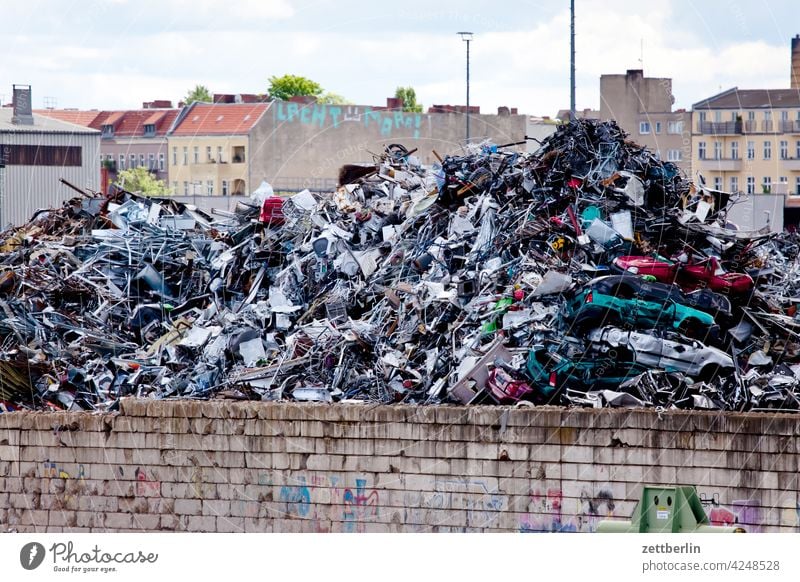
(547, 511)
(480, 502)
(317, 115)
(744, 512)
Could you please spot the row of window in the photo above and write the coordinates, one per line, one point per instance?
(720, 116)
(673, 127)
(766, 184)
(134, 161)
(238, 155)
(718, 154)
(197, 188)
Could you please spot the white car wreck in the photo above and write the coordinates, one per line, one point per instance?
(672, 352)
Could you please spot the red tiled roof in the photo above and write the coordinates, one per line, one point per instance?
(84, 118)
(220, 118)
(131, 123)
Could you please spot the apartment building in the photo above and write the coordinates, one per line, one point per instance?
(749, 140)
(642, 106)
(209, 148)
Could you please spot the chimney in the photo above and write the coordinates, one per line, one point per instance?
(23, 113)
(795, 80)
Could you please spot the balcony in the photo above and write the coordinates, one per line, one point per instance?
(767, 126)
(721, 164)
(791, 164)
(790, 126)
(721, 127)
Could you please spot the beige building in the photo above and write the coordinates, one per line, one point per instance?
(642, 106)
(209, 149)
(748, 140)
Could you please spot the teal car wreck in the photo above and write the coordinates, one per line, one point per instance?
(628, 301)
(552, 374)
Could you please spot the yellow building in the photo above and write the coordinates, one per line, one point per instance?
(209, 149)
(749, 140)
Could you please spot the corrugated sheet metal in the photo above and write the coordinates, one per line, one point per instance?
(26, 189)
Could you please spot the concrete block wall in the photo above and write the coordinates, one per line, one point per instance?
(263, 467)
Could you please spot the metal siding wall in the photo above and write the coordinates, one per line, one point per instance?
(29, 188)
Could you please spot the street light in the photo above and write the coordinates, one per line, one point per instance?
(467, 37)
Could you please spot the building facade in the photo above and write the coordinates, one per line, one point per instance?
(136, 138)
(129, 139)
(210, 149)
(35, 153)
(749, 140)
(642, 106)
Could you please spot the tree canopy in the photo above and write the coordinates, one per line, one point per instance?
(409, 97)
(141, 180)
(289, 86)
(199, 93)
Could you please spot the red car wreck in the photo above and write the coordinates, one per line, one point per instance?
(690, 275)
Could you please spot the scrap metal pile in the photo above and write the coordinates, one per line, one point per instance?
(589, 273)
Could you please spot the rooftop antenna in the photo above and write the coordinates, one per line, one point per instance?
(641, 53)
(50, 102)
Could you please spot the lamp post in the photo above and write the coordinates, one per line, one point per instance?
(467, 38)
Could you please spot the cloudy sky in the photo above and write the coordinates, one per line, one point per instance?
(117, 53)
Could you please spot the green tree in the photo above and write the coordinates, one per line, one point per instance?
(141, 180)
(290, 86)
(333, 99)
(199, 93)
(409, 97)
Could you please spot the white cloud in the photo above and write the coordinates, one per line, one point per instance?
(158, 49)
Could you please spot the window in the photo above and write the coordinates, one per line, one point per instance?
(751, 116)
(784, 146)
(149, 130)
(210, 187)
(702, 117)
(734, 184)
(768, 115)
(701, 150)
(675, 127)
(674, 155)
(658, 127)
(219, 154)
(208, 154)
(717, 150)
(175, 187)
(238, 155)
(733, 115)
(717, 183)
(734, 150)
(185, 156)
(196, 155)
(797, 149)
(225, 187)
(132, 161)
(161, 162)
(783, 180)
(717, 116)
(751, 150)
(141, 160)
(797, 186)
(107, 130)
(151, 158)
(174, 156)
(185, 188)
(121, 163)
(784, 116)
(767, 150)
(42, 155)
(644, 127)
(751, 185)
(766, 184)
